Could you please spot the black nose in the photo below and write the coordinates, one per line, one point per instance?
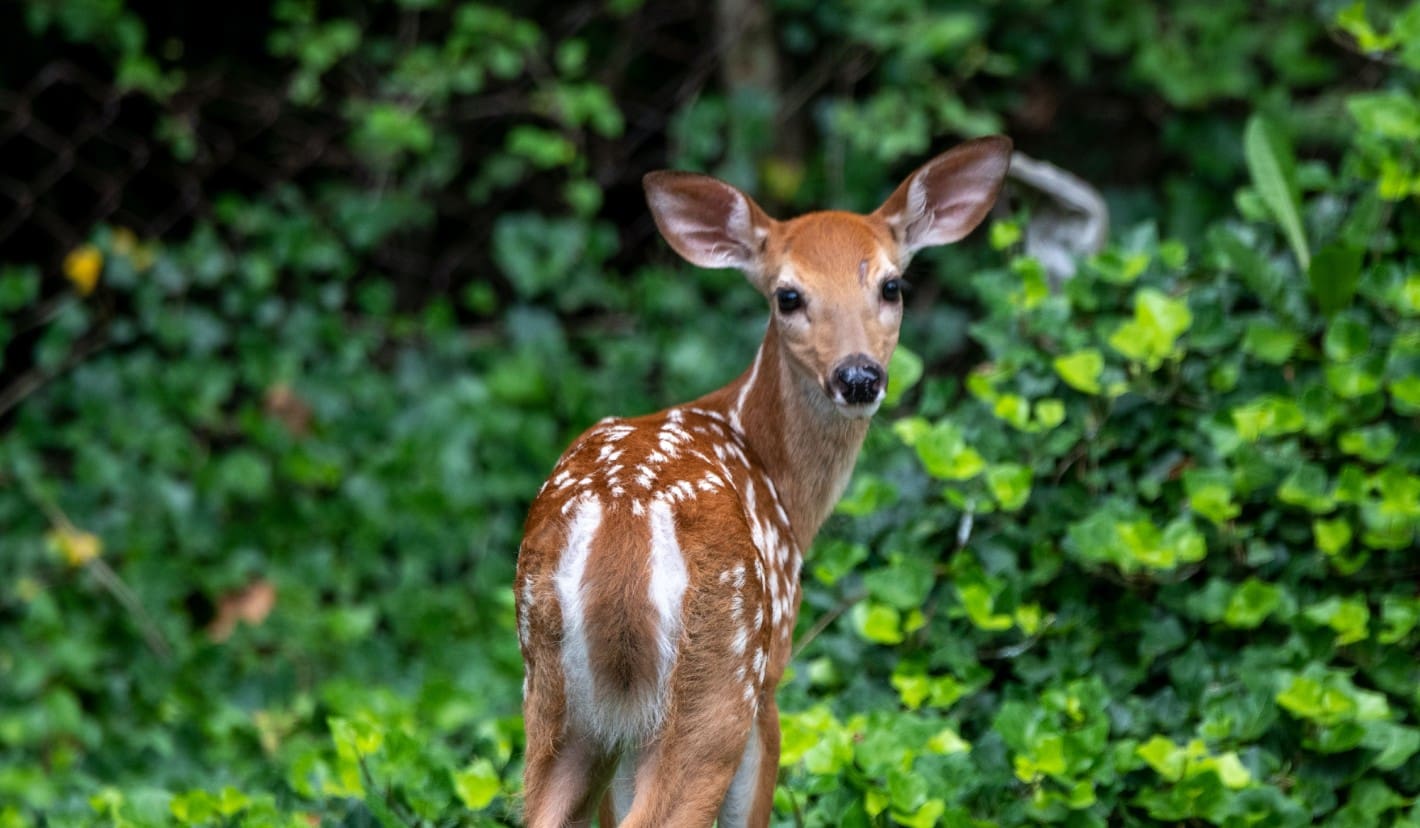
(859, 379)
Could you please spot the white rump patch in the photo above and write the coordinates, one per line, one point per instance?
(571, 566)
(668, 582)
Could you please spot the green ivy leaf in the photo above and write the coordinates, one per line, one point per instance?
(1393, 114)
(1351, 380)
(1399, 615)
(1166, 758)
(477, 784)
(1372, 443)
(1349, 617)
(1394, 743)
(869, 493)
(1010, 484)
(1333, 276)
(904, 372)
(979, 605)
(1270, 342)
(1004, 234)
(1307, 487)
(1332, 536)
(1049, 413)
(1152, 335)
(1081, 369)
(878, 623)
(945, 454)
(1210, 493)
(1251, 603)
(1267, 416)
(1347, 338)
(1405, 394)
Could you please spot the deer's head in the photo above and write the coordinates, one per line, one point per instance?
(833, 279)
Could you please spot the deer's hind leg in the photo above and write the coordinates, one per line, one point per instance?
(685, 774)
(566, 771)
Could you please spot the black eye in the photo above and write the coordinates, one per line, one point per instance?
(789, 300)
(892, 290)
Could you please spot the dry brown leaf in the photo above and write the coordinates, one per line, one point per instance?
(251, 604)
(290, 410)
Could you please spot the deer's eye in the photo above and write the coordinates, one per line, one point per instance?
(789, 300)
(892, 290)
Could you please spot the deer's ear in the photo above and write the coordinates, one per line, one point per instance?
(708, 222)
(947, 197)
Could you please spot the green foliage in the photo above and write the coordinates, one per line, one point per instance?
(1150, 560)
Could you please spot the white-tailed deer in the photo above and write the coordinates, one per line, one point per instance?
(658, 580)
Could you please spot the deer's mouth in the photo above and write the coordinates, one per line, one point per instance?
(856, 410)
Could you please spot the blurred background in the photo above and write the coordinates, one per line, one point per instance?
(300, 301)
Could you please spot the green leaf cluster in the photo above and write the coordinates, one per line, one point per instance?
(1147, 557)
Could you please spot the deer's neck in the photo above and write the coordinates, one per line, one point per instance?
(806, 446)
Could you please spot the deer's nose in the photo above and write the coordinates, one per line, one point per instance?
(858, 379)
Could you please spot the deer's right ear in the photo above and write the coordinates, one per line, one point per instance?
(708, 222)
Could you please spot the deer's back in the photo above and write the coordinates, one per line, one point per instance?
(657, 542)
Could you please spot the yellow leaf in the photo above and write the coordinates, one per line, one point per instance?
(82, 268)
(75, 547)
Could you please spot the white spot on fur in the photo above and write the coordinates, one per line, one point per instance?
(738, 410)
(740, 641)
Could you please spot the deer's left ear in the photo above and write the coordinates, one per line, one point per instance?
(948, 196)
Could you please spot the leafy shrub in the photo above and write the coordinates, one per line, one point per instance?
(1155, 562)
(1148, 559)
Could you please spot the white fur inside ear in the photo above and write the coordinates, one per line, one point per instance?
(703, 242)
(951, 215)
(945, 199)
(916, 220)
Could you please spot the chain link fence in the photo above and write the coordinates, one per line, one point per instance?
(78, 151)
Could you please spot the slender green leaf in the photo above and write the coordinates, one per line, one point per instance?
(1274, 173)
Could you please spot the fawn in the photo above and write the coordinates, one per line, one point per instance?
(658, 579)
